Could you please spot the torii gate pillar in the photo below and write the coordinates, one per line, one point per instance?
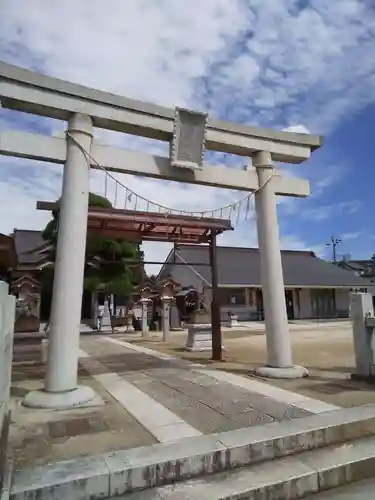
(61, 389)
(279, 350)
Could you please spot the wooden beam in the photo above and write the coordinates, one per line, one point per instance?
(152, 218)
(53, 149)
(138, 237)
(217, 351)
(31, 92)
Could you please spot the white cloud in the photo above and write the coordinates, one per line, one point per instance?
(327, 179)
(144, 49)
(303, 56)
(322, 212)
(298, 129)
(22, 183)
(266, 63)
(351, 236)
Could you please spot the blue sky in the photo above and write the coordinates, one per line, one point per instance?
(303, 64)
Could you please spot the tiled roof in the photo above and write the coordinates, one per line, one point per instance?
(27, 241)
(241, 266)
(8, 255)
(366, 268)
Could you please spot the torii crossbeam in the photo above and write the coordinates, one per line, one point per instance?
(84, 108)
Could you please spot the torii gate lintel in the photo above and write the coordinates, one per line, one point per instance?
(31, 92)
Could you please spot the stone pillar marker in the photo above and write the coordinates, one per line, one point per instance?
(166, 304)
(361, 307)
(144, 306)
(7, 317)
(61, 389)
(279, 352)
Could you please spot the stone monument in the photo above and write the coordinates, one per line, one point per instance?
(202, 314)
(232, 319)
(199, 330)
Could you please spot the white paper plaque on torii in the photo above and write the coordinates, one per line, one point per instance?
(188, 143)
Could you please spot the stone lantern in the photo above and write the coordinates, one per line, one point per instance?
(145, 301)
(129, 319)
(167, 298)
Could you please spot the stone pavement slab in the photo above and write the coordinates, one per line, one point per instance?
(196, 413)
(163, 424)
(250, 384)
(206, 404)
(226, 398)
(324, 348)
(195, 403)
(270, 391)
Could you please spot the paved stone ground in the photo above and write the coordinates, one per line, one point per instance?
(207, 404)
(325, 348)
(39, 437)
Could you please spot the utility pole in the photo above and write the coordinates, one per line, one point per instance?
(333, 243)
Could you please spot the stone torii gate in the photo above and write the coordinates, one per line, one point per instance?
(189, 134)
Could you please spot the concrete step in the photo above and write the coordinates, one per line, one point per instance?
(126, 471)
(288, 478)
(361, 490)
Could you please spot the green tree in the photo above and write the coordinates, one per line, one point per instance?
(108, 265)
